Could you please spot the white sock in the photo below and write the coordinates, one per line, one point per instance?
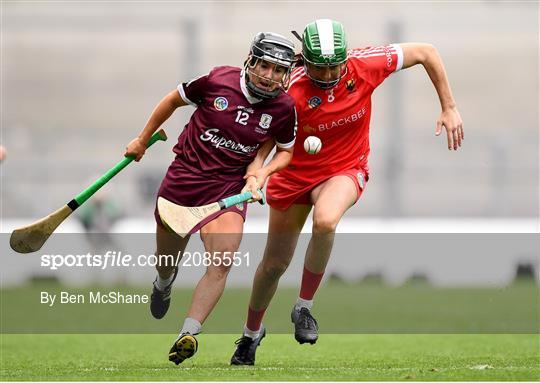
(192, 326)
(162, 284)
(252, 334)
(303, 303)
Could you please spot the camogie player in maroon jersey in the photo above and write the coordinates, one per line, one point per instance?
(238, 111)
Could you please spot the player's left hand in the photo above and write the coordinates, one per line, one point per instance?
(254, 181)
(451, 120)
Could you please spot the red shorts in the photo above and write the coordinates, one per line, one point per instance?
(282, 192)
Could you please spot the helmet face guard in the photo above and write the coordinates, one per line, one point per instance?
(324, 44)
(274, 50)
(325, 84)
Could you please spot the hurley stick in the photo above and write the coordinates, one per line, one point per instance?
(182, 219)
(28, 239)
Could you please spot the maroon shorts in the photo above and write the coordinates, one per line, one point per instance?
(281, 192)
(187, 188)
(239, 208)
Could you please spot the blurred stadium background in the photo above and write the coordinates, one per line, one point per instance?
(79, 81)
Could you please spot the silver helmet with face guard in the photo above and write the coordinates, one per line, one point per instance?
(275, 54)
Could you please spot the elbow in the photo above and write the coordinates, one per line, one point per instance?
(430, 47)
(428, 53)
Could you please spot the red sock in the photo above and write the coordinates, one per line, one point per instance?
(254, 319)
(310, 283)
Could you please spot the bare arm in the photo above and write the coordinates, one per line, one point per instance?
(428, 56)
(161, 113)
(280, 160)
(256, 173)
(262, 155)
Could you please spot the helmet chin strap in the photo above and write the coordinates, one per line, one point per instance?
(325, 84)
(258, 92)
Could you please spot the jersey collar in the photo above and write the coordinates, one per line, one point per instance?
(249, 97)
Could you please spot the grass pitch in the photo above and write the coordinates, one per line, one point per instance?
(340, 308)
(387, 334)
(76, 357)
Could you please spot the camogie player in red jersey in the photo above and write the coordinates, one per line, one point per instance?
(332, 92)
(239, 114)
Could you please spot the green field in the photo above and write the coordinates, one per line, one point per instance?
(340, 308)
(368, 332)
(334, 357)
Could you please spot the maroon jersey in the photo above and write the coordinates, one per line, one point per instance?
(223, 136)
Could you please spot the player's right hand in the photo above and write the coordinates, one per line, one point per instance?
(255, 181)
(450, 119)
(135, 148)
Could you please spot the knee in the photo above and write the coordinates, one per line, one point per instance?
(324, 225)
(274, 269)
(219, 272)
(220, 262)
(221, 245)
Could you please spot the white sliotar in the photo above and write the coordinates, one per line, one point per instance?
(312, 145)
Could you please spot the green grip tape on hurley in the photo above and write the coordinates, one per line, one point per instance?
(239, 198)
(88, 192)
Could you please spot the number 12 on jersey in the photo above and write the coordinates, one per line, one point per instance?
(242, 117)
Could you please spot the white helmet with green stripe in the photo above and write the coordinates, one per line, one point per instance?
(324, 45)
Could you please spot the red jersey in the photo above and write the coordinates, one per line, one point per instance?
(339, 116)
